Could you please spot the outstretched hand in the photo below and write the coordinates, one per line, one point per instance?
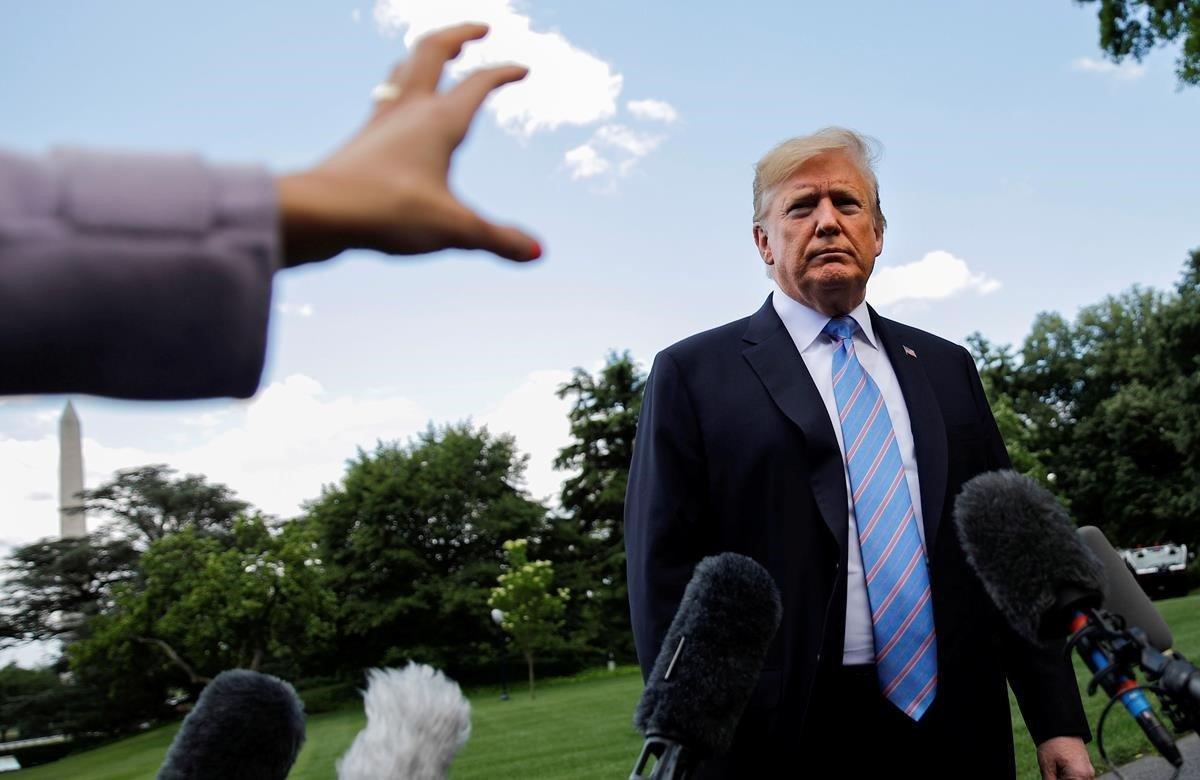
(386, 189)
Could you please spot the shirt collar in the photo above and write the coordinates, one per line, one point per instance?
(805, 324)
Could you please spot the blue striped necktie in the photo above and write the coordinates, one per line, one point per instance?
(893, 556)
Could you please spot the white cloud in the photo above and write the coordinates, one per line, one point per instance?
(33, 655)
(565, 86)
(206, 420)
(585, 162)
(629, 146)
(653, 110)
(277, 450)
(356, 16)
(299, 309)
(295, 437)
(538, 419)
(29, 468)
(627, 140)
(1126, 71)
(935, 276)
(17, 399)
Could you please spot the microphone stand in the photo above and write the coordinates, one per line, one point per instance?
(1176, 675)
(672, 761)
(1113, 652)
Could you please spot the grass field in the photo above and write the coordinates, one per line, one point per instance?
(579, 727)
(576, 728)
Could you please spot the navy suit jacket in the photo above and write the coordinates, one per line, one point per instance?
(735, 452)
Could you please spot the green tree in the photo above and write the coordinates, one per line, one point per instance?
(411, 540)
(209, 607)
(997, 365)
(176, 586)
(1135, 27)
(1180, 332)
(147, 503)
(23, 697)
(588, 544)
(204, 607)
(52, 587)
(532, 609)
(1108, 408)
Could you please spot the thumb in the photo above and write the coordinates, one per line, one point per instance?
(503, 240)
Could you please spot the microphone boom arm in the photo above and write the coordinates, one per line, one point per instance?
(1111, 652)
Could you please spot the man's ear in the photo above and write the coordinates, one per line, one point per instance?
(764, 245)
(878, 240)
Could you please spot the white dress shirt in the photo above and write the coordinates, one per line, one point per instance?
(805, 326)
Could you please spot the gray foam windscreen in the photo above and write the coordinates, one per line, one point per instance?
(1123, 596)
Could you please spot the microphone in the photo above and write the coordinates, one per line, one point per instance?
(1152, 638)
(1021, 543)
(417, 719)
(1046, 583)
(245, 725)
(1123, 595)
(708, 665)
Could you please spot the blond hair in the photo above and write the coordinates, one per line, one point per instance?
(783, 160)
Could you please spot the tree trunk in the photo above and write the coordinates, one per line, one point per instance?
(529, 661)
(176, 659)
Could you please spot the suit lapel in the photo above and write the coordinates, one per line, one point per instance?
(928, 427)
(774, 357)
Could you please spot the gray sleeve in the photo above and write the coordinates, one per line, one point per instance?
(136, 276)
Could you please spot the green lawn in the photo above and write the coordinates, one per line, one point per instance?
(576, 728)
(579, 727)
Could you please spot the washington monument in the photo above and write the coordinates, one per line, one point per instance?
(72, 522)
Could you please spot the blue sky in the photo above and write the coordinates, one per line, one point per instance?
(1021, 173)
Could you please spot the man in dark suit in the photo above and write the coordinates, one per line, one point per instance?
(829, 444)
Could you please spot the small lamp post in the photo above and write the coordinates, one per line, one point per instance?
(498, 619)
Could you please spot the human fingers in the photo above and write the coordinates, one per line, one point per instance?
(464, 100)
(503, 240)
(430, 54)
(420, 73)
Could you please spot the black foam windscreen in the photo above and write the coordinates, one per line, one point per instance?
(1022, 544)
(712, 655)
(245, 726)
(1123, 596)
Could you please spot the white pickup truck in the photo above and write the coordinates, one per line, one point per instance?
(1161, 570)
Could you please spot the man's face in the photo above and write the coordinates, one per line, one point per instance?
(819, 233)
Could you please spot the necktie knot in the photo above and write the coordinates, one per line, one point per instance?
(840, 327)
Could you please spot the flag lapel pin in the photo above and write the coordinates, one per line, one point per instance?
(909, 351)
